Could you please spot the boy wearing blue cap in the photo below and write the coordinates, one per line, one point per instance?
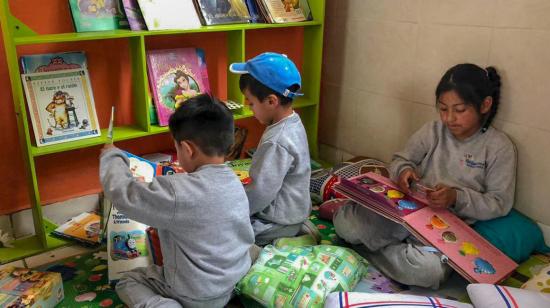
(279, 192)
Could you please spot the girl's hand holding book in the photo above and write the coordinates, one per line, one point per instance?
(443, 196)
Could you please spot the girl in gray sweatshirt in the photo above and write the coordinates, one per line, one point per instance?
(470, 166)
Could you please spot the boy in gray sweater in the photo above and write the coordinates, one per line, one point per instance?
(280, 171)
(202, 216)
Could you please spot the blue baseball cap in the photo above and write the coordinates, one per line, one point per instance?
(274, 70)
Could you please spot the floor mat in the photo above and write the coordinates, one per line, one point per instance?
(85, 281)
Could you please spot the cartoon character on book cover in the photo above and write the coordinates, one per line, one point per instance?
(176, 75)
(61, 106)
(128, 245)
(99, 7)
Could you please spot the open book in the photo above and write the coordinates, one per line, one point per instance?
(467, 252)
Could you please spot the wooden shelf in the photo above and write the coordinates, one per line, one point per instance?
(118, 34)
(119, 134)
(30, 246)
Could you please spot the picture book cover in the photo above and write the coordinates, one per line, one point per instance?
(160, 14)
(216, 12)
(134, 16)
(283, 11)
(98, 15)
(241, 167)
(128, 244)
(23, 287)
(61, 106)
(176, 75)
(53, 62)
(467, 252)
(84, 228)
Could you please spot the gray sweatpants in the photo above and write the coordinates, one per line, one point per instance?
(266, 231)
(146, 287)
(382, 242)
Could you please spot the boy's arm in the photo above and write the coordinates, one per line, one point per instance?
(416, 149)
(500, 185)
(269, 168)
(150, 203)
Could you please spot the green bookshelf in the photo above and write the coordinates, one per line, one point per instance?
(15, 33)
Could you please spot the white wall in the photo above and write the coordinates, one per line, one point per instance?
(383, 59)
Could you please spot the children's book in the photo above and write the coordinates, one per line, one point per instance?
(23, 287)
(283, 11)
(134, 16)
(61, 106)
(254, 11)
(169, 14)
(176, 75)
(216, 12)
(98, 15)
(53, 62)
(467, 252)
(241, 167)
(84, 228)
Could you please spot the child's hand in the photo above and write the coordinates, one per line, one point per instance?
(443, 196)
(107, 147)
(405, 179)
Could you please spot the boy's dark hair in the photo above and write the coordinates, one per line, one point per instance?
(473, 84)
(206, 122)
(259, 90)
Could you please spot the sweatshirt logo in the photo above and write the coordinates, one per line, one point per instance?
(469, 161)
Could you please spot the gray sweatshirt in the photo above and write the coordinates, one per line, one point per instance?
(202, 219)
(280, 173)
(481, 168)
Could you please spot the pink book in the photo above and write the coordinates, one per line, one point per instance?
(176, 75)
(468, 252)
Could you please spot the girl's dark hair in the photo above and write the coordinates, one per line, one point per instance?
(259, 90)
(473, 84)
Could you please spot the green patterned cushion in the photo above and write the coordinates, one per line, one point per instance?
(301, 276)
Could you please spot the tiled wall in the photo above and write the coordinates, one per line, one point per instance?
(383, 59)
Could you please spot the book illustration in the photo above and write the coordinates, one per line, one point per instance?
(468, 253)
(215, 12)
(175, 76)
(84, 228)
(468, 249)
(23, 287)
(134, 16)
(449, 237)
(437, 223)
(483, 267)
(283, 11)
(53, 62)
(169, 14)
(128, 245)
(61, 106)
(241, 167)
(97, 15)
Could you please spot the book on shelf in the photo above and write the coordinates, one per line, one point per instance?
(41, 63)
(284, 11)
(255, 13)
(61, 106)
(176, 75)
(134, 16)
(84, 228)
(466, 251)
(169, 14)
(93, 15)
(216, 12)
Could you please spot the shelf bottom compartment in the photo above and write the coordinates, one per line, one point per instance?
(31, 246)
